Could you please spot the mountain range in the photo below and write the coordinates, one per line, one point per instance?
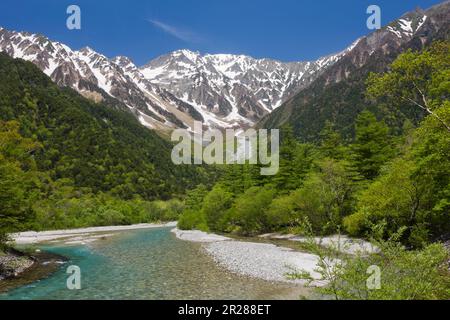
(171, 91)
(223, 90)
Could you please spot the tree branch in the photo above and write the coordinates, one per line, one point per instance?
(429, 111)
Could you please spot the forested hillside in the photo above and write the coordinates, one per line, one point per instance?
(68, 162)
(92, 144)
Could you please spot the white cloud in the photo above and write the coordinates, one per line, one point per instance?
(182, 34)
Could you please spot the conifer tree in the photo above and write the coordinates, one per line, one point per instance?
(371, 148)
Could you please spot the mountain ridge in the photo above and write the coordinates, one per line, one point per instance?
(309, 110)
(221, 90)
(234, 91)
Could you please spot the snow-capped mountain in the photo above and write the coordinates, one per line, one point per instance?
(95, 76)
(233, 88)
(223, 91)
(174, 90)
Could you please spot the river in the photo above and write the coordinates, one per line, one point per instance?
(149, 264)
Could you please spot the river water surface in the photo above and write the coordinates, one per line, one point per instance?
(147, 264)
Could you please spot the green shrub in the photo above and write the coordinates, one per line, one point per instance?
(215, 206)
(193, 220)
(86, 210)
(327, 195)
(249, 210)
(398, 198)
(403, 274)
(283, 212)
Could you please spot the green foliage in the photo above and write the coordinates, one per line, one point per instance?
(192, 219)
(194, 197)
(430, 152)
(284, 212)
(19, 179)
(408, 275)
(295, 161)
(169, 210)
(371, 148)
(404, 274)
(413, 191)
(97, 146)
(394, 198)
(416, 79)
(30, 200)
(215, 206)
(74, 209)
(238, 178)
(249, 210)
(332, 144)
(327, 195)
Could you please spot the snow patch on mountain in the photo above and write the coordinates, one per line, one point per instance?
(407, 26)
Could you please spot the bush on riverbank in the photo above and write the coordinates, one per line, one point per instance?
(101, 210)
(191, 219)
(394, 273)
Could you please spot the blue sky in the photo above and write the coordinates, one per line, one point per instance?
(287, 30)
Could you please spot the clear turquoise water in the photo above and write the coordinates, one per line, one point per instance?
(147, 264)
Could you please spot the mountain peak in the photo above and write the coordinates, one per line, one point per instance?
(86, 50)
(122, 61)
(191, 55)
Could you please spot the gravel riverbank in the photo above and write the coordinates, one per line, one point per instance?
(340, 243)
(80, 236)
(264, 261)
(258, 260)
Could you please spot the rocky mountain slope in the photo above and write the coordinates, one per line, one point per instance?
(337, 95)
(234, 88)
